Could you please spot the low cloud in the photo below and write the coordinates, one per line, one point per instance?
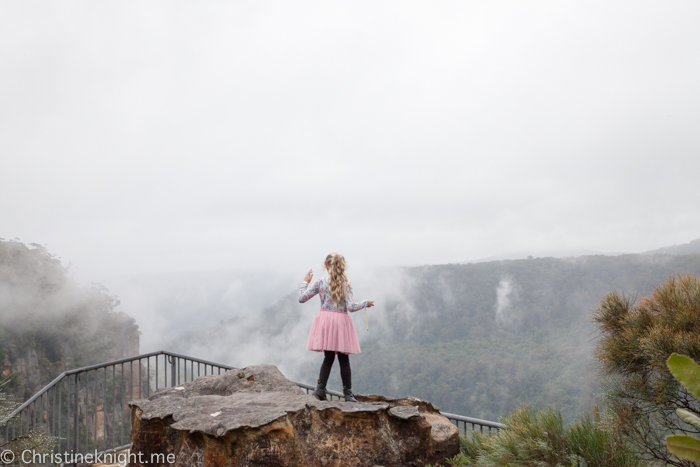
(504, 295)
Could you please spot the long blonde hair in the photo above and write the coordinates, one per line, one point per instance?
(337, 278)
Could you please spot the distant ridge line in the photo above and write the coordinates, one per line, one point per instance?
(692, 247)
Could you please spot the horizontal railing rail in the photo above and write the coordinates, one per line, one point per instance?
(474, 422)
(87, 409)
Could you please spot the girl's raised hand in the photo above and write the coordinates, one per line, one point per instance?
(308, 276)
(370, 303)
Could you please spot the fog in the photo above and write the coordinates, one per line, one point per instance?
(169, 304)
(180, 136)
(503, 301)
(226, 316)
(198, 158)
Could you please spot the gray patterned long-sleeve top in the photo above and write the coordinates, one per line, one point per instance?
(322, 288)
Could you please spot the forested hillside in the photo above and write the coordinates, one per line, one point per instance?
(476, 339)
(486, 338)
(49, 323)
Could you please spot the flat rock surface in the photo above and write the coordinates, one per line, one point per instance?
(257, 417)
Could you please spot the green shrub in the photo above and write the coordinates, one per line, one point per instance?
(600, 446)
(540, 439)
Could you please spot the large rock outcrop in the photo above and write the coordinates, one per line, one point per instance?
(257, 417)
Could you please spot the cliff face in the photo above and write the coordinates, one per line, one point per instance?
(49, 323)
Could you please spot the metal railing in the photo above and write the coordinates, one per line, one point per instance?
(87, 409)
(473, 423)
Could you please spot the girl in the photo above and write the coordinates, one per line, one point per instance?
(333, 331)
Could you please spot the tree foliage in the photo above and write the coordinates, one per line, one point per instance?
(636, 340)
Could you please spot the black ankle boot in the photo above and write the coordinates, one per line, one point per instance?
(349, 396)
(320, 391)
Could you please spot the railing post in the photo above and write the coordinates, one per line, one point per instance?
(76, 431)
(172, 371)
(59, 431)
(87, 410)
(104, 410)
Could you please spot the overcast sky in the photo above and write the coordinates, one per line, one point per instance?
(164, 136)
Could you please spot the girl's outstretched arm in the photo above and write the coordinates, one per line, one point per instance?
(306, 291)
(350, 302)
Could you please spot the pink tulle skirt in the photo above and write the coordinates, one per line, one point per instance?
(333, 330)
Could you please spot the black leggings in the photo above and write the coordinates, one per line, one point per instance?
(345, 372)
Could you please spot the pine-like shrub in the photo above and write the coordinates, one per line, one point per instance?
(540, 439)
(636, 340)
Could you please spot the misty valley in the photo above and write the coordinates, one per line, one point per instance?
(478, 339)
